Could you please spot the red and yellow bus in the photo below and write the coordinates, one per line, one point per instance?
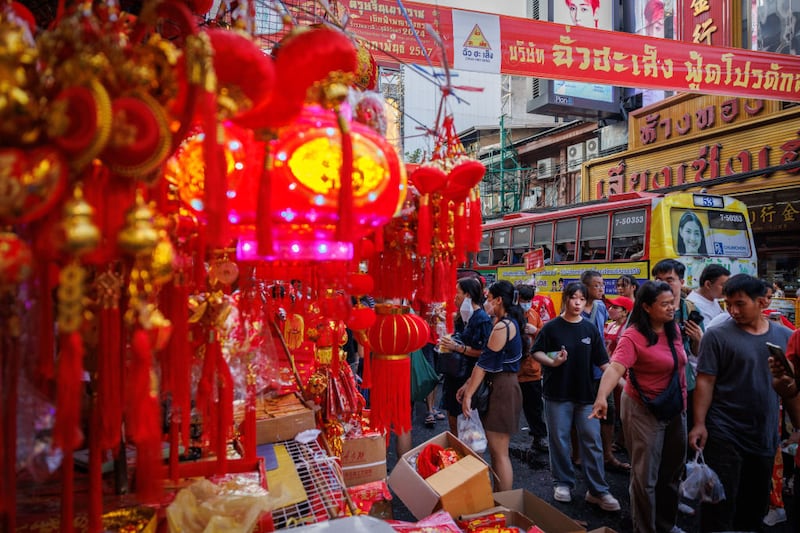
(625, 234)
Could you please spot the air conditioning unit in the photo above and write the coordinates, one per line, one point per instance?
(575, 157)
(592, 148)
(546, 168)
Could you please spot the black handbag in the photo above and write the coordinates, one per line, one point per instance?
(669, 403)
(453, 365)
(480, 398)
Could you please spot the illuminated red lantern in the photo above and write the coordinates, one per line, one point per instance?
(361, 318)
(395, 334)
(360, 284)
(307, 158)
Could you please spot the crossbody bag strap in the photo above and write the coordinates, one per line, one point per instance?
(674, 369)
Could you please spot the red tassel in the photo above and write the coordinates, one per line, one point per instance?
(178, 357)
(264, 207)
(390, 398)
(109, 374)
(215, 199)
(444, 228)
(475, 221)
(225, 413)
(439, 280)
(427, 281)
(460, 233)
(424, 232)
(66, 434)
(143, 420)
(379, 238)
(344, 229)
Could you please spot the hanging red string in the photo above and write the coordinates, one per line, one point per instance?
(143, 417)
(225, 413)
(109, 378)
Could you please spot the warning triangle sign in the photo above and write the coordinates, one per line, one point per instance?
(476, 39)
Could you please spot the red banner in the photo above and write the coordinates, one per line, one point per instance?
(547, 50)
(534, 260)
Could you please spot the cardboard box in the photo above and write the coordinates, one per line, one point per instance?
(461, 488)
(541, 513)
(512, 518)
(280, 418)
(364, 460)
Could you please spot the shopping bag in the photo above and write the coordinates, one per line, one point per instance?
(423, 377)
(701, 482)
(470, 431)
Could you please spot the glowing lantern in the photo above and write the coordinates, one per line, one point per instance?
(306, 162)
(16, 260)
(395, 334)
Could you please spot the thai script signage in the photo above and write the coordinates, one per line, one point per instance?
(772, 141)
(689, 115)
(556, 51)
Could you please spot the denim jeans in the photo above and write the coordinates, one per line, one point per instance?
(560, 417)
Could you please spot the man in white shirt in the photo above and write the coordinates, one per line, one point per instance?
(705, 297)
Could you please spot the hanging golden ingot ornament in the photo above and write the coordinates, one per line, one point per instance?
(81, 235)
(139, 237)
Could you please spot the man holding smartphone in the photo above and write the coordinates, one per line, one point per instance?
(736, 408)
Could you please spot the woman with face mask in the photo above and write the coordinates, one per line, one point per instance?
(500, 362)
(473, 327)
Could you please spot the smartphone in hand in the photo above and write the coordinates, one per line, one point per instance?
(695, 316)
(777, 353)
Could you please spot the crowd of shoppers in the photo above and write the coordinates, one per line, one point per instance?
(647, 343)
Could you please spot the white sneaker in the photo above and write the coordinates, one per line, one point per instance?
(606, 502)
(676, 529)
(562, 494)
(776, 515)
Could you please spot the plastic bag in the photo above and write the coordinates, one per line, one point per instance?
(471, 433)
(701, 482)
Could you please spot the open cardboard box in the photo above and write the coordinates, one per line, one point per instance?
(538, 511)
(461, 488)
(364, 460)
(280, 418)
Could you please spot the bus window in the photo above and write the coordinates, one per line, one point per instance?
(594, 237)
(484, 251)
(627, 235)
(565, 240)
(520, 243)
(500, 244)
(543, 238)
(717, 233)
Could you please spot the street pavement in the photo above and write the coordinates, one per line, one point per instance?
(532, 473)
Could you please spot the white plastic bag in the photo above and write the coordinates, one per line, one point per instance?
(701, 482)
(471, 433)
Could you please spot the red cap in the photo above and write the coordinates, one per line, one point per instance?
(623, 302)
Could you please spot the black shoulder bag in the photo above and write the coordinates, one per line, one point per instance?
(669, 403)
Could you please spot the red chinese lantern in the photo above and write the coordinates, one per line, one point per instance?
(33, 181)
(395, 334)
(305, 175)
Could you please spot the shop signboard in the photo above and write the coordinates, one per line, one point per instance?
(713, 161)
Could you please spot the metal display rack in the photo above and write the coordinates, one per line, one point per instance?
(322, 480)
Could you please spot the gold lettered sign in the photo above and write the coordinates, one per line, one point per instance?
(706, 161)
(688, 116)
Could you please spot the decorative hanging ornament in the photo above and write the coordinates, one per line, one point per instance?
(395, 334)
(32, 182)
(306, 177)
(16, 260)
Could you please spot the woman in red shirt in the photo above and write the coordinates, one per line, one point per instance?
(652, 350)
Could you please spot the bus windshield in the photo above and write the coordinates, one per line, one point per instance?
(699, 232)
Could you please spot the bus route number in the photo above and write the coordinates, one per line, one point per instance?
(727, 220)
(625, 221)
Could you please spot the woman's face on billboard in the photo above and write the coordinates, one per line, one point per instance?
(692, 237)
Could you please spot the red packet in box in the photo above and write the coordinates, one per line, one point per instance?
(441, 522)
(366, 495)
